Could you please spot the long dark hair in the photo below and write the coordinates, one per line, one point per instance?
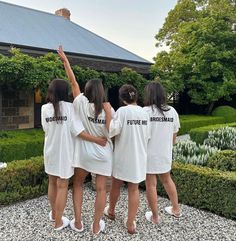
(57, 91)
(128, 94)
(95, 93)
(155, 96)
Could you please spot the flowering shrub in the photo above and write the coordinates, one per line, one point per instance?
(224, 138)
(190, 152)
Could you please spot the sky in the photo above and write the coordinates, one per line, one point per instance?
(131, 24)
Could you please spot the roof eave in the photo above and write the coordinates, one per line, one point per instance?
(71, 54)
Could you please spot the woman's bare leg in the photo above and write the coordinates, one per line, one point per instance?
(151, 192)
(100, 202)
(52, 193)
(170, 188)
(78, 183)
(60, 204)
(133, 204)
(114, 194)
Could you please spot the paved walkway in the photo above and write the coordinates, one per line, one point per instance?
(28, 221)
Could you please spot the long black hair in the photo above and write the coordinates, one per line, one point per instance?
(128, 94)
(95, 93)
(155, 96)
(57, 91)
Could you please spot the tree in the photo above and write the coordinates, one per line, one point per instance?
(202, 56)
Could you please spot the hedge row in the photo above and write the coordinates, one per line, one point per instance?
(200, 134)
(188, 122)
(204, 188)
(22, 180)
(20, 144)
(227, 112)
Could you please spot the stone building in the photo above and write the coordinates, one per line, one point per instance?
(37, 33)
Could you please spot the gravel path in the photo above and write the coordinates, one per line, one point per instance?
(28, 221)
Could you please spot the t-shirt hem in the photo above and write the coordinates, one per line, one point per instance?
(61, 176)
(92, 171)
(159, 172)
(128, 180)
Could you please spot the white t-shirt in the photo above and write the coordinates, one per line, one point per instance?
(132, 130)
(90, 156)
(59, 138)
(161, 142)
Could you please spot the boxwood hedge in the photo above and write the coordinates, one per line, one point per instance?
(21, 180)
(204, 188)
(200, 134)
(188, 122)
(20, 144)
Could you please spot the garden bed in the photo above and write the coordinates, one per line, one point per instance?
(204, 188)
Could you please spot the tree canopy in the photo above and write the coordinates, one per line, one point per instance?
(201, 60)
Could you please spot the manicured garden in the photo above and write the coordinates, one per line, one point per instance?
(204, 170)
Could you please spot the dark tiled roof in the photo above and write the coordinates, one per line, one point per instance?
(33, 28)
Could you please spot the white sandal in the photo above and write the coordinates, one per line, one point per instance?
(170, 212)
(50, 216)
(65, 221)
(72, 225)
(102, 227)
(106, 213)
(134, 223)
(148, 216)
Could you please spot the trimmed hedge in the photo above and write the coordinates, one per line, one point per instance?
(227, 112)
(223, 160)
(188, 122)
(22, 180)
(204, 188)
(20, 144)
(200, 134)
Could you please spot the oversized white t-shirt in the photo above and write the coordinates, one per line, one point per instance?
(161, 142)
(60, 138)
(90, 156)
(131, 127)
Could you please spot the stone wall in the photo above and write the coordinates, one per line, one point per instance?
(17, 109)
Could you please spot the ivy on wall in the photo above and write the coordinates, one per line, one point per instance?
(21, 71)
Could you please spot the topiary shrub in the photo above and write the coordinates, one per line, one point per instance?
(223, 138)
(223, 160)
(200, 134)
(22, 179)
(227, 112)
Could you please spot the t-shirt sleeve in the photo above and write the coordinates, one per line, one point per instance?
(116, 124)
(80, 101)
(176, 122)
(76, 126)
(44, 122)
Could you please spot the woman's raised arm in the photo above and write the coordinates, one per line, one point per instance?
(70, 74)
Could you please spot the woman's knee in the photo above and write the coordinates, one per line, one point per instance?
(151, 181)
(165, 178)
(101, 182)
(62, 183)
(133, 187)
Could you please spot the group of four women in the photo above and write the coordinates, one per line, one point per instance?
(78, 140)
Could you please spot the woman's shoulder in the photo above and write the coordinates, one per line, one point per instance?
(171, 109)
(46, 106)
(81, 98)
